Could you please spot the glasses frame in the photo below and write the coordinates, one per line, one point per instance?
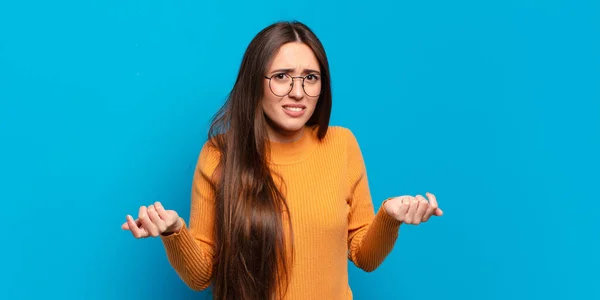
(292, 84)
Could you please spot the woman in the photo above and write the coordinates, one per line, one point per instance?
(280, 199)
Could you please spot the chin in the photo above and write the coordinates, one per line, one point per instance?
(291, 126)
(285, 124)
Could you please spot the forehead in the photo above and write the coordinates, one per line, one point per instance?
(294, 56)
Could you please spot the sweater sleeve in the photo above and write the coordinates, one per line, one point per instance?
(190, 251)
(371, 236)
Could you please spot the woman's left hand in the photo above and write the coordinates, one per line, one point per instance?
(413, 210)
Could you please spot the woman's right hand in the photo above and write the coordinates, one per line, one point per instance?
(153, 221)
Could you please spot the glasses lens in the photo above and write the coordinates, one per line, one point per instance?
(280, 84)
(312, 85)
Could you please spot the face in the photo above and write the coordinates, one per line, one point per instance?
(288, 113)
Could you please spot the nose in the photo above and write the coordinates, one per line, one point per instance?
(297, 91)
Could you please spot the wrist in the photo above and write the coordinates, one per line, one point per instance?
(175, 228)
(387, 207)
(390, 211)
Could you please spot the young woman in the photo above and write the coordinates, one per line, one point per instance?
(280, 199)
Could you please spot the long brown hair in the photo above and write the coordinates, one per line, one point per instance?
(250, 260)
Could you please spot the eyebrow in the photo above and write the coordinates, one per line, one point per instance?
(305, 71)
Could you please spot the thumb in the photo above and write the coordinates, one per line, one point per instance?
(125, 226)
(438, 212)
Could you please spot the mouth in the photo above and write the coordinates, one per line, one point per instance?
(294, 107)
(294, 110)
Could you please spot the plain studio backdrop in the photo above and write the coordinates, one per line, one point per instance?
(491, 105)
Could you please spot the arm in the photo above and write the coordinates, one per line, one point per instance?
(190, 250)
(371, 236)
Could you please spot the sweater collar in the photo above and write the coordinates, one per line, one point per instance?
(294, 152)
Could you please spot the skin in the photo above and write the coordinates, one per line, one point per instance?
(299, 59)
(154, 220)
(413, 210)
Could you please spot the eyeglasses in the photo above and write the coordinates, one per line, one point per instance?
(282, 84)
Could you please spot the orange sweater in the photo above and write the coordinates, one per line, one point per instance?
(331, 211)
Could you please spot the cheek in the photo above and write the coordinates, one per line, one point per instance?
(313, 104)
(269, 104)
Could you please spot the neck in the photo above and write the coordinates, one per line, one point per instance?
(283, 136)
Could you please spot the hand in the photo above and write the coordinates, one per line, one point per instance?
(413, 210)
(153, 221)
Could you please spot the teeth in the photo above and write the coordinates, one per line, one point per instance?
(293, 108)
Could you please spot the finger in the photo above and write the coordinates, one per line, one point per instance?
(125, 225)
(430, 210)
(162, 213)
(150, 208)
(152, 214)
(169, 216)
(421, 210)
(432, 199)
(410, 215)
(146, 222)
(158, 222)
(135, 230)
(137, 222)
(403, 209)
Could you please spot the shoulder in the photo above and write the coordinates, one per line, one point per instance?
(346, 143)
(342, 136)
(209, 151)
(347, 147)
(209, 157)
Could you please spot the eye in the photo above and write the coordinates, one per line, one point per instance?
(312, 78)
(280, 77)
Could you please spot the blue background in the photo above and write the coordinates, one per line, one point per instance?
(491, 105)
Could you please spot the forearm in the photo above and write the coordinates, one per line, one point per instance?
(191, 259)
(371, 246)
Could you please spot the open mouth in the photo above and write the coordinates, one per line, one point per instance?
(294, 108)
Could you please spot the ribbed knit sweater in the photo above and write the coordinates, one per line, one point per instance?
(330, 209)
